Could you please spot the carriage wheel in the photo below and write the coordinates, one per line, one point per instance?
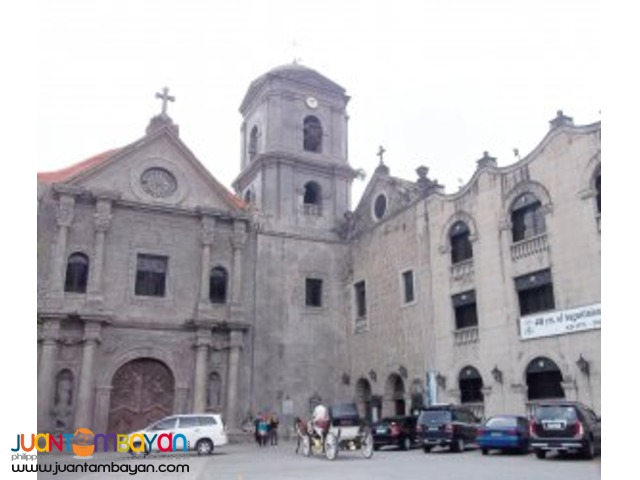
(306, 445)
(367, 445)
(331, 446)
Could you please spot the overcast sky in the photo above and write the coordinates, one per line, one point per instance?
(434, 82)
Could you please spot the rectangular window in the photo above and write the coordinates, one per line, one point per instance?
(151, 275)
(535, 292)
(361, 299)
(464, 307)
(314, 292)
(407, 283)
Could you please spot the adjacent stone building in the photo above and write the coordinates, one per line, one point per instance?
(160, 292)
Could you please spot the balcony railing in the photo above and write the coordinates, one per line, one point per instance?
(462, 270)
(530, 246)
(466, 336)
(312, 209)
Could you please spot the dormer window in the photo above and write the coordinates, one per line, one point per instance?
(312, 129)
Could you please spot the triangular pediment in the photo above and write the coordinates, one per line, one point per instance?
(158, 170)
(397, 193)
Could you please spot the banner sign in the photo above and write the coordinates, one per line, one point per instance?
(559, 322)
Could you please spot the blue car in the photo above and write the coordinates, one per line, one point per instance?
(504, 432)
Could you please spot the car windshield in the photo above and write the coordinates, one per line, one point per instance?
(502, 422)
(435, 416)
(552, 412)
(344, 410)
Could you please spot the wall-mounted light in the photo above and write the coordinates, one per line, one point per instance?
(402, 370)
(373, 376)
(346, 379)
(583, 365)
(497, 374)
(442, 381)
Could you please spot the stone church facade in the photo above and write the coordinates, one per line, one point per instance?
(161, 292)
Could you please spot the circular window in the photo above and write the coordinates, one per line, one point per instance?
(380, 206)
(158, 182)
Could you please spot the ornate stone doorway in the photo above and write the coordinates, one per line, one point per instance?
(142, 392)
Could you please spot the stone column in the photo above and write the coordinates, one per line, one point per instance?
(84, 402)
(64, 219)
(101, 410)
(207, 235)
(233, 380)
(203, 342)
(46, 371)
(238, 242)
(102, 221)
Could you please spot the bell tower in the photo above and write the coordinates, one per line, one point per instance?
(294, 166)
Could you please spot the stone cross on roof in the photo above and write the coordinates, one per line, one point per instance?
(381, 152)
(165, 98)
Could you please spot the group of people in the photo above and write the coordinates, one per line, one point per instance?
(266, 429)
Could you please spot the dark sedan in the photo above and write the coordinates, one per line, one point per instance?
(398, 431)
(504, 432)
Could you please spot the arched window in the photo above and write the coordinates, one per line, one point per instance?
(470, 384)
(312, 199)
(544, 379)
(596, 184)
(527, 218)
(218, 285)
(460, 244)
(253, 143)
(312, 129)
(77, 273)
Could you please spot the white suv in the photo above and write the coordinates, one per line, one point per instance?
(204, 432)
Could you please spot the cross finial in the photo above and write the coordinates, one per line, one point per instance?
(165, 98)
(381, 152)
(295, 51)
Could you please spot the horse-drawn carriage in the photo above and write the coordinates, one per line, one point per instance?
(341, 428)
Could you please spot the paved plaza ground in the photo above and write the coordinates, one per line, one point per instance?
(249, 462)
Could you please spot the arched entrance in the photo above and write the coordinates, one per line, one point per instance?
(544, 379)
(394, 395)
(363, 399)
(470, 384)
(142, 392)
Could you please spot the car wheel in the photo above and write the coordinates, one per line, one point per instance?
(458, 446)
(485, 451)
(541, 454)
(406, 443)
(426, 449)
(142, 454)
(589, 450)
(204, 447)
(367, 445)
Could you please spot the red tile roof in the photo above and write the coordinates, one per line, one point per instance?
(69, 172)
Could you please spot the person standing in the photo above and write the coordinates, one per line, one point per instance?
(273, 429)
(263, 431)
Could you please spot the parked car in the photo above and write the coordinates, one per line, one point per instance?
(399, 431)
(204, 432)
(504, 432)
(565, 427)
(447, 425)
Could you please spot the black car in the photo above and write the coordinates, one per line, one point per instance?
(565, 427)
(452, 426)
(399, 431)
